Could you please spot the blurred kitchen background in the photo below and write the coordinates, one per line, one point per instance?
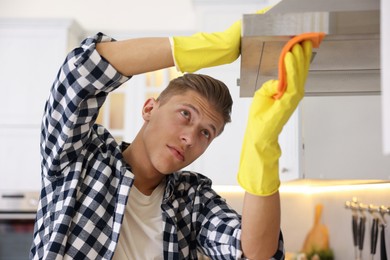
(336, 147)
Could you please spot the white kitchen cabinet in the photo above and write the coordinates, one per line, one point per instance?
(342, 138)
(20, 159)
(31, 52)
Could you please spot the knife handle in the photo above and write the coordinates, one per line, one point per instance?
(362, 229)
(355, 229)
(383, 244)
(374, 235)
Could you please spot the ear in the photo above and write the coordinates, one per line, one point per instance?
(148, 108)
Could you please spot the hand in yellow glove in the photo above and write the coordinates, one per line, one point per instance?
(259, 170)
(203, 50)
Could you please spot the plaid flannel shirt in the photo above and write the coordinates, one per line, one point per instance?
(86, 182)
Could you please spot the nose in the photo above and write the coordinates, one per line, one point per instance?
(188, 136)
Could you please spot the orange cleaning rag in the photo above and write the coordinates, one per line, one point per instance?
(316, 39)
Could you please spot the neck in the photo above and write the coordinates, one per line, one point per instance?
(146, 176)
(145, 186)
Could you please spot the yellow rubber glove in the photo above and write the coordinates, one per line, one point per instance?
(259, 170)
(203, 50)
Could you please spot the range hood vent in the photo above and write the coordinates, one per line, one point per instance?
(347, 62)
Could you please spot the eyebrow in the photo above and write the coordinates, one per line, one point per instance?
(197, 112)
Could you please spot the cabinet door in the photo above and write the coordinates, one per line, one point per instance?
(30, 55)
(342, 138)
(20, 159)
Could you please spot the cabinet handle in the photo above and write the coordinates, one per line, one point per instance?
(284, 170)
(12, 196)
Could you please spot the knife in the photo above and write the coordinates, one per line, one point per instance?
(383, 210)
(353, 206)
(383, 243)
(355, 233)
(374, 236)
(361, 232)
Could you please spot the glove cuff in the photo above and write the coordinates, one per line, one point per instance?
(171, 41)
(259, 169)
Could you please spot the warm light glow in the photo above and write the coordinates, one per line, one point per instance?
(309, 187)
(315, 189)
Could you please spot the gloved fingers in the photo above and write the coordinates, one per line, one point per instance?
(292, 73)
(308, 51)
(299, 57)
(268, 89)
(263, 98)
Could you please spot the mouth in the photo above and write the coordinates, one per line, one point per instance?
(178, 154)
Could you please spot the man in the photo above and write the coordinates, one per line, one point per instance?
(101, 200)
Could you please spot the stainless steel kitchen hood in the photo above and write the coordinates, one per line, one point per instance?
(347, 62)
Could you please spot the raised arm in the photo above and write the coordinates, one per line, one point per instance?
(187, 53)
(261, 227)
(79, 90)
(136, 56)
(258, 173)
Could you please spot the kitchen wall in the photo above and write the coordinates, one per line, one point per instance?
(298, 201)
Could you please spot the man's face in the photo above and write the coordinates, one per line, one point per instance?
(178, 131)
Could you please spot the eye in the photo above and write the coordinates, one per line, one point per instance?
(185, 114)
(206, 133)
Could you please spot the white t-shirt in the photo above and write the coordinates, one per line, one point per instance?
(141, 236)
